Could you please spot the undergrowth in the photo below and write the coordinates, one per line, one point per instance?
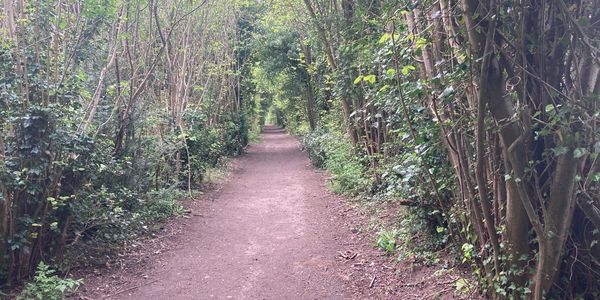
(414, 233)
(386, 240)
(335, 153)
(48, 285)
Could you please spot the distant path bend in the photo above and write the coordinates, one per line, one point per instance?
(269, 235)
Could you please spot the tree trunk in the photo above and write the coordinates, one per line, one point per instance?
(310, 97)
(557, 223)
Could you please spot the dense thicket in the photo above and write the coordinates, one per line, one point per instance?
(107, 110)
(481, 115)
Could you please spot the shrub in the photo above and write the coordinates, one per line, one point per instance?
(348, 173)
(418, 241)
(113, 216)
(314, 144)
(386, 240)
(236, 135)
(161, 204)
(47, 285)
(335, 153)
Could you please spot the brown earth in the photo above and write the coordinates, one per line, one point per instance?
(271, 231)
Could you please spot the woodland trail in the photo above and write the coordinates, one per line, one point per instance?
(269, 236)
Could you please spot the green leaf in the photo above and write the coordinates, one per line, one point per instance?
(358, 79)
(579, 152)
(407, 69)
(370, 79)
(384, 38)
(390, 72)
(420, 43)
(384, 88)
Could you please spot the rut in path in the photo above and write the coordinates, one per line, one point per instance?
(269, 236)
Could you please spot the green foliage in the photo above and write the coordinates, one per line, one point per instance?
(463, 287)
(281, 78)
(386, 240)
(334, 153)
(161, 204)
(347, 170)
(47, 285)
(206, 148)
(420, 239)
(314, 143)
(208, 145)
(90, 161)
(398, 110)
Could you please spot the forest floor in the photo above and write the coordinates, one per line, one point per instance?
(271, 230)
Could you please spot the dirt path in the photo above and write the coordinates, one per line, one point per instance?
(269, 236)
(271, 231)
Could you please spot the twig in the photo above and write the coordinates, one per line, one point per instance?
(372, 281)
(352, 256)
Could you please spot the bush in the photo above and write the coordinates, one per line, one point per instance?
(47, 285)
(348, 173)
(418, 241)
(113, 216)
(105, 214)
(81, 165)
(161, 204)
(336, 154)
(236, 135)
(386, 240)
(205, 148)
(314, 144)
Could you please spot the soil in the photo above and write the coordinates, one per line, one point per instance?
(272, 230)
